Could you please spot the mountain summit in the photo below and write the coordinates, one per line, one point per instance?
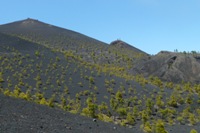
(123, 45)
(47, 34)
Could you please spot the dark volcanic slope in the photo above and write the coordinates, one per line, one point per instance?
(175, 67)
(48, 65)
(47, 34)
(89, 49)
(19, 116)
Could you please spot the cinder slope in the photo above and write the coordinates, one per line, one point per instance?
(89, 49)
(47, 34)
(9, 43)
(32, 118)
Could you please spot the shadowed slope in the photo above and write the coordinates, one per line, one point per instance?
(13, 44)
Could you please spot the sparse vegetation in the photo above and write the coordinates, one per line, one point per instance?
(95, 81)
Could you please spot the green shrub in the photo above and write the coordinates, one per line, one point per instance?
(1, 77)
(104, 117)
(7, 92)
(91, 79)
(147, 128)
(90, 110)
(119, 97)
(43, 101)
(173, 101)
(130, 118)
(159, 127)
(193, 131)
(122, 111)
(180, 119)
(192, 119)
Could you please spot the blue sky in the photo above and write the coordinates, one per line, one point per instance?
(150, 25)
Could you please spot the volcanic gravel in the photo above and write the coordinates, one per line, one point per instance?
(20, 116)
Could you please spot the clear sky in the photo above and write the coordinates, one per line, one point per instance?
(150, 25)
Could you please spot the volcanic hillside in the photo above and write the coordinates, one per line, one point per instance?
(65, 71)
(89, 49)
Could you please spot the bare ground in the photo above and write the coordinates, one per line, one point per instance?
(19, 116)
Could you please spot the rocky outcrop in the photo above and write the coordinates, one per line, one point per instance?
(175, 67)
